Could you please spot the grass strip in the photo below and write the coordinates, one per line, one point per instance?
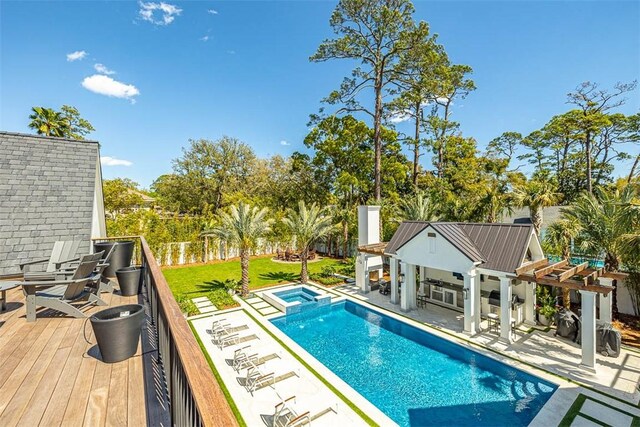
(225, 391)
(480, 346)
(330, 386)
(573, 411)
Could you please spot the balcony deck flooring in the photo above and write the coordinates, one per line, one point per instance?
(50, 375)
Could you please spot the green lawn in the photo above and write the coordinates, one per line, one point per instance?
(208, 279)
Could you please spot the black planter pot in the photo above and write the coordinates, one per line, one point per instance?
(121, 256)
(129, 280)
(117, 331)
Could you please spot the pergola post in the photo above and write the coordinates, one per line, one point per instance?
(362, 273)
(505, 309)
(588, 322)
(605, 301)
(530, 303)
(394, 270)
(469, 291)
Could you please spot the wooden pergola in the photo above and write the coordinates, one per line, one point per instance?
(564, 275)
(373, 249)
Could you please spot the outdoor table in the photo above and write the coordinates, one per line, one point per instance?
(4, 287)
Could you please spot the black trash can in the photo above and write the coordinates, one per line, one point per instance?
(121, 256)
(117, 331)
(129, 279)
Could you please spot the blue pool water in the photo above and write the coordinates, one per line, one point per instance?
(414, 377)
(301, 295)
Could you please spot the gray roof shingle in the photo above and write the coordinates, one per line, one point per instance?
(46, 194)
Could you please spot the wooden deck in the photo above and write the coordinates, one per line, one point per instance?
(50, 375)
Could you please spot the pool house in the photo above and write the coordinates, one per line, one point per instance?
(487, 271)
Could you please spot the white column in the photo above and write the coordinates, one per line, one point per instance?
(588, 325)
(505, 309)
(530, 303)
(362, 279)
(395, 275)
(408, 294)
(477, 304)
(423, 277)
(605, 301)
(470, 285)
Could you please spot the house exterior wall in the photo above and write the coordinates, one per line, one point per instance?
(47, 193)
(444, 257)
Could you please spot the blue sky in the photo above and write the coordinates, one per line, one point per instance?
(240, 68)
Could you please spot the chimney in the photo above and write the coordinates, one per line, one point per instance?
(368, 225)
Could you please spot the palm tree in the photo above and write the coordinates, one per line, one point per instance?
(603, 219)
(48, 122)
(307, 224)
(560, 236)
(536, 195)
(242, 226)
(417, 208)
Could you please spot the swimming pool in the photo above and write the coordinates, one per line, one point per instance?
(414, 377)
(301, 295)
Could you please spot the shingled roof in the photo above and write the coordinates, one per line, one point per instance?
(499, 247)
(47, 188)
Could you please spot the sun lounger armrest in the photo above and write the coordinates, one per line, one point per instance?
(284, 402)
(35, 261)
(50, 282)
(299, 418)
(67, 261)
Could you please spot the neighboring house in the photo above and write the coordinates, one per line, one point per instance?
(550, 215)
(50, 189)
(482, 270)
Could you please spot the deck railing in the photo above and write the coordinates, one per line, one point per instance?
(195, 397)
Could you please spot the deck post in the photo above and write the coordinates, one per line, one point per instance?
(588, 330)
(423, 277)
(530, 303)
(394, 271)
(505, 309)
(605, 301)
(469, 291)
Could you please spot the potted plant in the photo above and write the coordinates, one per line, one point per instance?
(546, 306)
(232, 286)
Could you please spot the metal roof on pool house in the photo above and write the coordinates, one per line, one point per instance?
(499, 247)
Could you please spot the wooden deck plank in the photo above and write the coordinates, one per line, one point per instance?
(24, 365)
(136, 401)
(117, 403)
(97, 407)
(17, 348)
(29, 384)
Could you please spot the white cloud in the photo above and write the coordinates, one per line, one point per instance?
(400, 117)
(76, 56)
(168, 11)
(105, 85)
(212, 11)
(112, 161)
(102, 69)
(204, 38)
(283, 142)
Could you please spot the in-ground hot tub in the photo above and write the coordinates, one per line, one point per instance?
(294, 299)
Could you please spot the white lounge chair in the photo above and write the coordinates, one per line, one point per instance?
(257, 377)
(287, 415)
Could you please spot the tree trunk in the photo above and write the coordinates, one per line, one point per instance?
(377, 137)
(345, 231)
(633, 169)
(304, 273)
(536, 219)
(244, 265)
(587, 149)
(416, 145)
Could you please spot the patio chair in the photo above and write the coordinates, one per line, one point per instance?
(385, 287)
(228, 340)
(286, 415)
(63, 252)
(60, 294)
(312, 254)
